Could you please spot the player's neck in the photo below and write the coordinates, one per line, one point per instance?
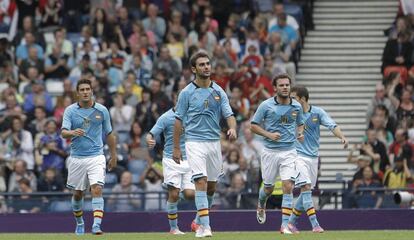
(283, 100)
(306, 107)
(203, 82)
(86, 104)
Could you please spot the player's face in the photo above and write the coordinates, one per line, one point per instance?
(202, 68)
(293, 95)
(283, 88)
(85, 92)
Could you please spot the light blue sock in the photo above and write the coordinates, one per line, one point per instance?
(310, 210)
(202, 208)
(287, 203)
(263, 198)
(172, 214)
(210, 203)
(297, 210)
(77, 210)
(97, 207)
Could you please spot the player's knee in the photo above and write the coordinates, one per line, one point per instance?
(96, 190)
(211, 189)
(268, 190)
(287, 186)
(77, 195)
(189, 194)
(306, 187)
(173, 195)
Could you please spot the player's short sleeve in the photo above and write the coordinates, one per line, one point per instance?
(67, 116)
(260, 114)
(106, 124)
(225, 105)
(326, 120)
(159, 127)
(299, 117)
(182, 105)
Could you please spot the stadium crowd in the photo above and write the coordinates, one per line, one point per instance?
(385, 157)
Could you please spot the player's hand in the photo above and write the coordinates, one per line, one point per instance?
(300, 137)
(274, 136)
(232, 134)
(78, 132)
(345, 142)
(177, 155)
(150, 141)
(112, 162)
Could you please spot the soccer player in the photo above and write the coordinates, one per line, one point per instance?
(176, 176)
(200, 106)
(307, 162)
(279, 120)
(84, 123)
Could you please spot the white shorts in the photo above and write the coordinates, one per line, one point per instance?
(177, 175)
(308, 171)
(205, 159)
(85, 172)
(278, 162)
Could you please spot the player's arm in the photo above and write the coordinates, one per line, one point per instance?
(257, 129)
(228, 114)
(67, 126)
(232, 132)
(328, 122)
(338, 133)
(156, 130)
(111, 141)
(300, 130)
(176, 140)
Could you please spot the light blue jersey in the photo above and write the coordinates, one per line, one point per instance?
(202, 109)
(282, 118)
(165, 125)
(94, 121)
(313, 119)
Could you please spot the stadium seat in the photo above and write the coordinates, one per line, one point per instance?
(3, 86)
(54, 88)
(401, 69)
(111, 178)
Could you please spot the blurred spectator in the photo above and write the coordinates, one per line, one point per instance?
(50, 181)
(389, 122)
(289, 35)
(142, 75)
(8, 73)
(6, 15)
(26, 203)
(397, 52)
(22, 51)
(161, 102)
(37, 125)
(380, 98)
(281, 53)
(83, 66)
(139, 156)
(253, 58)
(102, 30)
(6, 53)
(370, 198)
(18, 143)
(122, 116)
(58, 64)
(125, 197)
(399, 175)
(20, 172)
(401, 26)
(401, 147)
(151, 181)
(167, 63)
(27, 8)
(220, 76)
(376, 150)
(240, 105)
(405, 109)
(86, 36)
(11, 109)
(220, 56)
(73, 15)
(231, 161)
(38, 97)
(32, 61)
(233, 194)
(146, 113)
(138, 31)
(154, 23)
(51, 13)
(234, 42)
(245, 79)
(29, 26)
(250, 148)
(51, 148)
(61, 104)
(385, 136)
(66, 46)
(131, 92)
(175, 46)
(125, 22)
(278, 9)
(175, 25)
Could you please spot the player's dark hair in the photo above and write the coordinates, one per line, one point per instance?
(301, 91)
(281, 76)
(83, 81)
(197, 55)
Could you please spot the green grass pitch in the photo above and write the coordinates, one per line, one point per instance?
(331, 235)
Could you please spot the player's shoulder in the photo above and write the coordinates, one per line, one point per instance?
(317, 110)
(189, 88)
(100, 107)
(167, 114)
(295, 103)
(216, 87)
(72, 107)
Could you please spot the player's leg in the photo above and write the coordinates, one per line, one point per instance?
(288, 175)
(172, 209)
(303, 166)
(189, 194)
(196, 157)
(96, 176)
(307, 197)
(269, 162)
(77, 182)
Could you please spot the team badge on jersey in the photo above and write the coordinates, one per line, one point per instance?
(86, 123)
(294, 114)
(315, 119)
(217, 98)
(98, 117)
